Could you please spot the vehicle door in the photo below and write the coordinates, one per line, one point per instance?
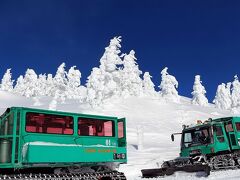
(231, 135)
(221, 142)
(121, 132)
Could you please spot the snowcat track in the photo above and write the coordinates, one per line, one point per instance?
(69, 176)
(166, 171)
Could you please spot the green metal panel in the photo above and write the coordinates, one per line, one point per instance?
(37, 153)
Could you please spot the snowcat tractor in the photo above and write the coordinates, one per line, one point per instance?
(210, 145)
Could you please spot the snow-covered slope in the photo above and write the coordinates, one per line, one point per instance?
(155, 117)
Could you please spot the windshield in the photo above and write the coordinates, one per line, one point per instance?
(196, 136)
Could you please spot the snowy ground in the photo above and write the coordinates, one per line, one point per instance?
(158, 120)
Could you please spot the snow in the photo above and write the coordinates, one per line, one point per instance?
(153, 118)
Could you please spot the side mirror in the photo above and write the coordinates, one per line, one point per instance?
(172, 137)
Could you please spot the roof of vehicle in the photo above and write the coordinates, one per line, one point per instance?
(206, 123)
(62, 112)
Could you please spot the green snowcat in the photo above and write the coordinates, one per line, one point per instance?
(205, 146)
(42, 144)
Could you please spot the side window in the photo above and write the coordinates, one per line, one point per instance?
(229, 127)
(238, 126)
(95, 127)
(49, 123)
(187, 139)
(6, 124)
(218, 130)
(219, 133)
(120, 129)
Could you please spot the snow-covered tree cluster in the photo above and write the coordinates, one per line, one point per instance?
(118, 76)
(228, 95)
(223, 99)
(62, 85)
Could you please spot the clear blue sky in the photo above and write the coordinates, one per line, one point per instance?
(189, 37)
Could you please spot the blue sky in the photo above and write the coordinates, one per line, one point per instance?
(189, 37)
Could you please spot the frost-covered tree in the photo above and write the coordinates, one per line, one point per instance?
(235, 92)
(19, 87)
(107, 76)
(7, 82)
(60, 83)
(50, 87)
(131, 83)
(42, 85)
(74, 90)
(148, 85)
(30, 82)
(223, 99)
(168, 86)
(199, 92)
(110, 58)
(95, 87)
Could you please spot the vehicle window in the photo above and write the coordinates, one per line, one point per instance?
(120, 129)
(187, 139)
(6, 124)
(218, 130)
(238, 126)
(95, 127)
(229, 127)
(49, 123)
(196, 137)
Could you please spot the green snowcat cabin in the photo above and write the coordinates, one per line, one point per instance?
(42, 138)
(213, 137)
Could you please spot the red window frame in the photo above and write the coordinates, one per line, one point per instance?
(95, 127)
(48, 123)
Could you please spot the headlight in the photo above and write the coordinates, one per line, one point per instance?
(119, 156)
(123, 156)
